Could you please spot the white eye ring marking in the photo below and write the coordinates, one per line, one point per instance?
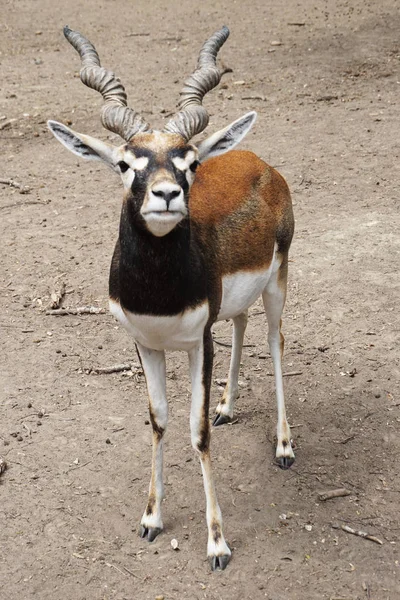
(139, 164)
(135, 164)
(184, 163)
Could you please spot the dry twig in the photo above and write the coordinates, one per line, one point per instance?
(114, 369)
(287, 374)
(79, 466)
(228, 345)
(361, 534)
(333, 494)
(23, 189)
(129, 571)
(116, 568)
(80, 310)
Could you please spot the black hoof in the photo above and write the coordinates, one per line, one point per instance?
(150, 533)
(219, 562)
(221, 420)
(285, 462)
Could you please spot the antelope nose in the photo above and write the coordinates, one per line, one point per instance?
(167, 195)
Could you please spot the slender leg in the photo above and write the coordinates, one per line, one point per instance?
(274, 297)
(226, 405)
(153, 362)
(200, 360)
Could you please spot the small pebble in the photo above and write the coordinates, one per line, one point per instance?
(19, 438)
(40, 414)
(38, 423)
(6, 443)
(377, 395)
(147, 422)
(29, 405)
(100, 347)
(108, 441)
(159, 598)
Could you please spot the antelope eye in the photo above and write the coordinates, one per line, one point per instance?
(123, 166)
(194, 166)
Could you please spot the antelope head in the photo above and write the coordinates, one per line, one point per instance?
(157, 168)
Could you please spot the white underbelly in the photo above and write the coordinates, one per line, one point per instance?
(241, 290)
(179, 332)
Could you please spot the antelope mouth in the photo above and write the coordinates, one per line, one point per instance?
(161, 222)
(163, 214)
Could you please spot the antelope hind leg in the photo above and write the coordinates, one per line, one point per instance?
(224, 411)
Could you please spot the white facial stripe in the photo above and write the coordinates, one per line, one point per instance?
(128, 178)
(139, 164)
(135, 164)
(180, 163)
(184, 163)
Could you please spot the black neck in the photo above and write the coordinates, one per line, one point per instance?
(157, 275)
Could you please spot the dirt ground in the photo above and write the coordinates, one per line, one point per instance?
(324, 78)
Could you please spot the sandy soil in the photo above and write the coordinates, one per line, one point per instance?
(78, 444)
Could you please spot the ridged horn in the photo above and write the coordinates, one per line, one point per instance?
(116, 116)
(192, 117)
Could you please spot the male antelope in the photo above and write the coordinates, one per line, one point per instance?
(203, 233)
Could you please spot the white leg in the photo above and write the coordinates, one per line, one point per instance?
(200, 360)
(227, 403)
(153, 362)
(274, 300)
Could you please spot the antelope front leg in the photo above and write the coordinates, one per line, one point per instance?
(201, 360)
(153, 362)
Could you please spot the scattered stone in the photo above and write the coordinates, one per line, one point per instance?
(174, 544)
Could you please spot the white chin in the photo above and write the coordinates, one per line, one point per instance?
(161, 223)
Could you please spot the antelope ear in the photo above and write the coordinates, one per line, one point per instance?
(84, 146)
(224, 140)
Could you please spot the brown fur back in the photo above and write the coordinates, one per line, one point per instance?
(247, 202)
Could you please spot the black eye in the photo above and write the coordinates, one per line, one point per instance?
(123, 166)
(194, 166)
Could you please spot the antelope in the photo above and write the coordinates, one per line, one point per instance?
(204, 232)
